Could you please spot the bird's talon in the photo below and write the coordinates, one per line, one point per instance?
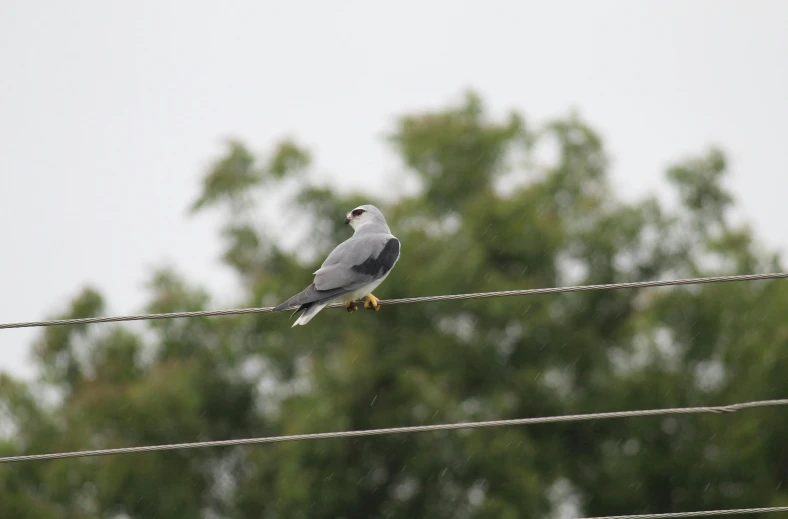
(351, 306)
(372, 302)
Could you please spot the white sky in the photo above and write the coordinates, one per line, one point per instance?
(110, 112)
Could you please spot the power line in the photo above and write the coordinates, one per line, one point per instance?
(407, 300)
(698, 514)
(400, 430)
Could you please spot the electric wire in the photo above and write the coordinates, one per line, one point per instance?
(407, 300)
(400, 430)
(703, 513)
(437, 427)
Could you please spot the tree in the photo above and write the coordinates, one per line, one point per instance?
(489, 216)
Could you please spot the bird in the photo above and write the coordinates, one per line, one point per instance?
(354, 268)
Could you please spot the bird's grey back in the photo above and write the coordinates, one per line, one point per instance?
(343, 267)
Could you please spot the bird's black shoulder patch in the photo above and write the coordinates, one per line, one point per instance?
(380, 265)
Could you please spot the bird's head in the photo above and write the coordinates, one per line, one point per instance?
(365, 215)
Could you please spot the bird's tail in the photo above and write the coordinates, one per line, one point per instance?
(309, 295)
(309, 313)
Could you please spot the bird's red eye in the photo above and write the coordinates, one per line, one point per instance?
(357, 212)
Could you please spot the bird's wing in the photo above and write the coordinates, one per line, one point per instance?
(351, 265)
(358, 261)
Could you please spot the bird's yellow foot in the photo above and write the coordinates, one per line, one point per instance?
(372, 302)
(351, 306)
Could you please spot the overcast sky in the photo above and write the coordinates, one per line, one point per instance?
(111, 111)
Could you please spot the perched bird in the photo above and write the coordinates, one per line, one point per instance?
(353, 270)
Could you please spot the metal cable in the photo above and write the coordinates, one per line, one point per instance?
(697, 514)
(400, 430)
(425, 299)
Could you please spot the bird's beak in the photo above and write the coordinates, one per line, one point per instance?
(347, 221)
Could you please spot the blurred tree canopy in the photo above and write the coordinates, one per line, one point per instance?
(502, 204)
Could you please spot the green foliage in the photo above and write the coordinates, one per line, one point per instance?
(232, 177)
(698, 183)
(456, 152)
(187, 380)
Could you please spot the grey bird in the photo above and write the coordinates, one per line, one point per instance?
(353, 269)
